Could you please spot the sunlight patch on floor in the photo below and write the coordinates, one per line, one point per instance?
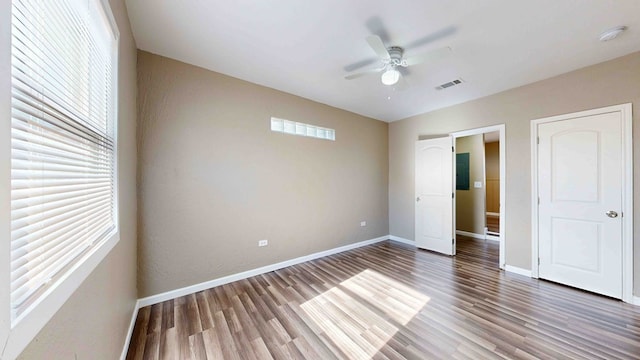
(362, 313)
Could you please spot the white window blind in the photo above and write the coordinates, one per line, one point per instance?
(63, 185)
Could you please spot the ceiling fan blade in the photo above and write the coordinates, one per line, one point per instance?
(376, 26)
(378, 46)
(402, 84)
(363, 73)
(435, 36)
(360, 64)
(428, 56)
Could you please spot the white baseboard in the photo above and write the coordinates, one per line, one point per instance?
(470, 234)
(158, 298)
(635, 300)
(132, 323)
(493, 238)
(517, 270)
(402, 240)
(155, 299)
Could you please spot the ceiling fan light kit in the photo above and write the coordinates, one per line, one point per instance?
(390, 77)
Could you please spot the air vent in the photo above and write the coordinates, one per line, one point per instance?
(449, 84)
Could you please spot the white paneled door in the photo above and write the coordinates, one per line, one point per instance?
(580, 187)
(433, 197)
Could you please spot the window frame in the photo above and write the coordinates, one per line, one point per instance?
(16, 334)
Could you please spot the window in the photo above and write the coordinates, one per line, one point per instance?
(296, 128)
(63, 144)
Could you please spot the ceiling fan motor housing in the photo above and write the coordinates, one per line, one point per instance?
(395, 56)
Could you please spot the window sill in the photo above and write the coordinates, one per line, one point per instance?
(25, 327)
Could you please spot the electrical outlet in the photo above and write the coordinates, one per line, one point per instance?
(263, 242)
(363, 223)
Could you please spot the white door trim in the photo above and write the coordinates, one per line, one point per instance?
(627, 191)
(503, 183)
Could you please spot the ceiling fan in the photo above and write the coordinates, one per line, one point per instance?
(392, 59)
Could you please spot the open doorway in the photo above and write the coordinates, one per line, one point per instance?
(435, 193)
(479, 186)
(492, 184)
(470, 186)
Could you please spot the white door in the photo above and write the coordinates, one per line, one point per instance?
(434, 190)
(580, 188)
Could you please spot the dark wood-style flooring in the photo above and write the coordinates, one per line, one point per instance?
(493, 224)
(390, 301)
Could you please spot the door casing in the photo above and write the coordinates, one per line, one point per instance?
(627, 190)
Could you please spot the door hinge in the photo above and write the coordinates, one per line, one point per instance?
(538, 261)
(453, 241)
(453, 149)
(538, 140)
(538, 200)
(452, 195)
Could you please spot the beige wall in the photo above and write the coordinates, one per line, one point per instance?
(609, 83)
(214, 179)
(470, 214)
(93, 323)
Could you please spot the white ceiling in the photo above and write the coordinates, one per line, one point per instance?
(303, 47)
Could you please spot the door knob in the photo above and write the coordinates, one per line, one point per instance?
(418, 199)
(612, 214)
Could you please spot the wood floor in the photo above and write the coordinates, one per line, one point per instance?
(493, 224)
(390, 301)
